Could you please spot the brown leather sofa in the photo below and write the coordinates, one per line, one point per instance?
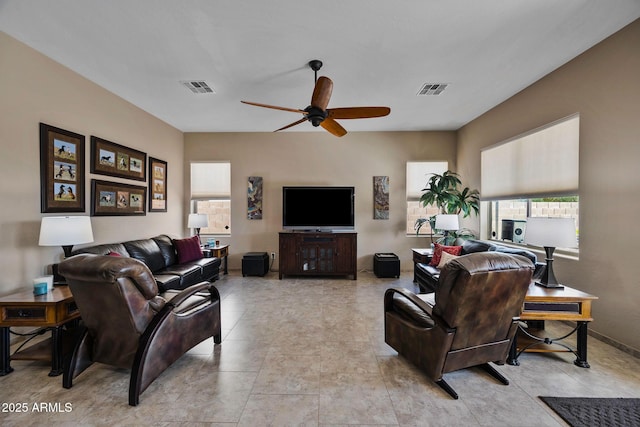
(470, 320)
(160, 255)
(128, 324)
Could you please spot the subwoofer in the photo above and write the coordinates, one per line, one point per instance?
(513, 229)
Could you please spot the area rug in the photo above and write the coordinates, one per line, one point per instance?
(595, 411)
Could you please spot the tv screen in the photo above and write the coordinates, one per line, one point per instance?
(318, 208)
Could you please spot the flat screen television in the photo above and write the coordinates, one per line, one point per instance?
(318, 208)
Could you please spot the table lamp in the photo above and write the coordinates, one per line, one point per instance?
(550, 233)
(197, 221)
(446, 223)
(65, 231)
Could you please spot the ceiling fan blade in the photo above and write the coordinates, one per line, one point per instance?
(292, 124)
(357, 112)
(333, 127)
(293, 110)
(322, 93)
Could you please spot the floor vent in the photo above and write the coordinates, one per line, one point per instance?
(197, 86)
(432, 89)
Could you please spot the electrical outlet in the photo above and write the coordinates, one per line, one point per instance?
(273, 255)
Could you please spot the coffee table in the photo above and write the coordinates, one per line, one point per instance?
(50, 311)
(543, 304)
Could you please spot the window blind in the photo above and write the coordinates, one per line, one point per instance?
(210, 180)
(418, 173)
(541, 162)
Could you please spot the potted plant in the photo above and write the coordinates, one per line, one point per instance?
(443, 192)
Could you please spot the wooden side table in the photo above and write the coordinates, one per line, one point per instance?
(542, 304)
(222, 252)
(51, 311)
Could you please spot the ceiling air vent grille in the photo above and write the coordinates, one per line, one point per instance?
(432, 89)
(197, 86)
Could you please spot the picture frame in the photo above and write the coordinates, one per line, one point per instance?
(157, 185)
(62, 170)
(117, 199)
(109, 158)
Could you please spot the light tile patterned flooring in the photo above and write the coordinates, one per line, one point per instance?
(311, 352)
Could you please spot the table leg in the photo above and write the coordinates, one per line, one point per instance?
(226, 262)
(512, 359)
(56, 352)
(581, 360)
(5, 351)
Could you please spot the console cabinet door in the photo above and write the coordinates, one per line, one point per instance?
(346, 255)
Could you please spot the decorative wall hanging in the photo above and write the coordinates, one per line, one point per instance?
(380, 197)
(157, 185)
(109, 158)
(115, 199)
(61, 170)
(254, 197)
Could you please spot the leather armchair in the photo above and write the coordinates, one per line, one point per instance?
(126, 323)
(470, 320)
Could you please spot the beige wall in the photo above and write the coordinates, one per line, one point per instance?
(318, 158)
(603, 86)
(36, 89)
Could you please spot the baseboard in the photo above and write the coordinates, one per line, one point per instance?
(616, 344)
(607, 340)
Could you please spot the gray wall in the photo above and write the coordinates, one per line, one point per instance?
(603, 86)
(36, 89)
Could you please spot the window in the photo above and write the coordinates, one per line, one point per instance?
(508, 217)
(211, 195)
(418, 173)
(534, 174)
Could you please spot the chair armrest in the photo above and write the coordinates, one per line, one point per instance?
(388, 296)
(190, 291)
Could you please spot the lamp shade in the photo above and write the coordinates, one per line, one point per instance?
(551, 232)
(198, 221)
(447, 222)
(65, 230)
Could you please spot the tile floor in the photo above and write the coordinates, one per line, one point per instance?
(311, 352)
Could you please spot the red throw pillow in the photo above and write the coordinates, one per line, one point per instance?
(188, 249)
(437, 252)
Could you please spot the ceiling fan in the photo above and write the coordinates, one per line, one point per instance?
(318, 113)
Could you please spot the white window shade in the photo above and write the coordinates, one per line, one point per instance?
(210, 180)
(418, 173)
(541, 162)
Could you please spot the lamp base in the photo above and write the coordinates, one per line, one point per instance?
(550, 285)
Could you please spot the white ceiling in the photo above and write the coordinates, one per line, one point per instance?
(376, 52)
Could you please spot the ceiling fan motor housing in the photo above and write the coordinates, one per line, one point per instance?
(315, 115)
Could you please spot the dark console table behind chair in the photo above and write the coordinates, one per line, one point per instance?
(318, 254)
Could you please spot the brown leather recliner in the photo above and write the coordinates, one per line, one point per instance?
(470, 320)
(127, 324)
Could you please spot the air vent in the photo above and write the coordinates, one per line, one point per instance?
(432, 89)
(197, 86)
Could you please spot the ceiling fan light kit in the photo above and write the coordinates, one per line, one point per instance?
(317, 112)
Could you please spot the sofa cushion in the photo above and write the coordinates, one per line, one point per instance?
(438, 249)
(517, 251)
(167, 249)
(445, 258)
(470, 246)
(188, 249)
(147, 251)
(210, 267)
(189, 274)
(102, 249)
(167, 281)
